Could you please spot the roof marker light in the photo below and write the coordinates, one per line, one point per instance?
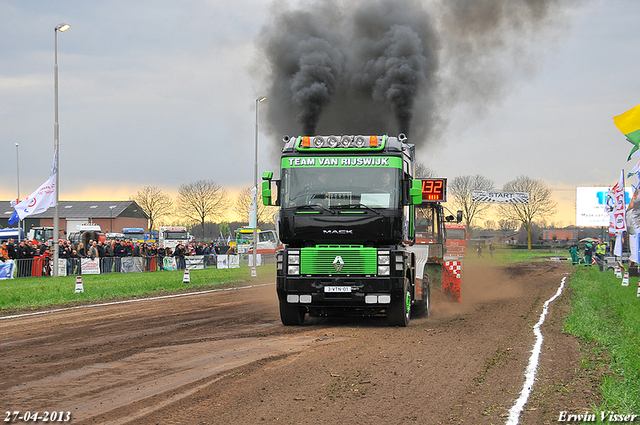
(306, 142)
(345, 141)
(373, 141)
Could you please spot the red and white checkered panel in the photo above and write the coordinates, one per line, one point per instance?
(455, 267)
(451, 278)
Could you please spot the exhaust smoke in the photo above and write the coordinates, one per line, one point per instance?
(398, 66)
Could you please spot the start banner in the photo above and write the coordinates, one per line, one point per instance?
(500, 197)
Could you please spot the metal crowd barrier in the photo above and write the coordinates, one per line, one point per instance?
(41, 266)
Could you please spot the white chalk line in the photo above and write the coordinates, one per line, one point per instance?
(530, 375)
(35, 313)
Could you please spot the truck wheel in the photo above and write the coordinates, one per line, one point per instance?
(291, 315)
(428, 299)
(400, 308)
(422, 308)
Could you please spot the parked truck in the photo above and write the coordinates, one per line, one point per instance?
(135, 234)
(347, 224)
(267, 241)
(86, 233)
(41, 234)
(14, 233)
(171, 236)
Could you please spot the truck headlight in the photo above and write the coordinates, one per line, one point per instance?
(384, 263)
(384, 258)
(384, 270)
(294, 270)
(293, 259)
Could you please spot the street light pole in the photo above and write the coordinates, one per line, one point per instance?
(56, 139)
(18, 186)
(111, 216)
(254, 273)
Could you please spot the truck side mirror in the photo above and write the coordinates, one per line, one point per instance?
(415, 192)
(267, 176)
(459, 216)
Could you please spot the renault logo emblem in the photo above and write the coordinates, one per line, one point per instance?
(338, 263)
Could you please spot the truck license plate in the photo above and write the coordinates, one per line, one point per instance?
(337, 289)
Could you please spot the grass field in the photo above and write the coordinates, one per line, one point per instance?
(504, 256)
(606, 316)
(38, 292)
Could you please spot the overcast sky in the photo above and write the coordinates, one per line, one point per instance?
(162, 93)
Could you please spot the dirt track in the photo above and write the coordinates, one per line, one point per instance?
(224, 357)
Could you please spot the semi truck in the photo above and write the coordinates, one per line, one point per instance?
(15, 233)
(171, 236)
(135, 234)
(347, 224)
(267, 241)
(87, 232)
(457, 237)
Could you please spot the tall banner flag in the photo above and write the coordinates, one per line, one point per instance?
(629, 124)
(634, 248)
(616, 207)
(43, 197)
(633, 214)
(635, 170)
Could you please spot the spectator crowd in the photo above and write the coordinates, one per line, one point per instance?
(33, 258)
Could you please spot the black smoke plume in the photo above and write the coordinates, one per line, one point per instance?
(391, 66)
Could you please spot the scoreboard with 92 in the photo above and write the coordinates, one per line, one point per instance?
(434, 190)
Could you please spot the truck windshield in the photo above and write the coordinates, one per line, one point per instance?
(455, 234)
(175, 234)
(373, 187)
(245, 237)
(134, 236)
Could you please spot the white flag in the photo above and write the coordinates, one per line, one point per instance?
(43, 197)
(253, 216)
(617, 206)
(617, 248)
(634, 248)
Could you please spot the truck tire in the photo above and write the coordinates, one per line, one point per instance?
(422, 308)
(291, 315)
(399, 311)
(427, 300)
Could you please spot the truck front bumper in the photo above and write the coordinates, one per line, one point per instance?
(343, 292)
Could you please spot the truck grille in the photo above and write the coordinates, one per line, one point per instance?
(357, 260)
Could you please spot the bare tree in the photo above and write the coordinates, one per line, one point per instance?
(201, 199)
(461, 189)
(507, 224)
(154, 203)
(422, 171)
(243, 203)
(541, 204)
